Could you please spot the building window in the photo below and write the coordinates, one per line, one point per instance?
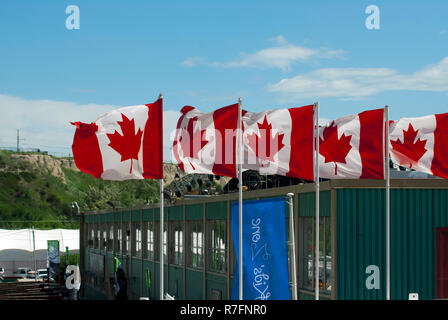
(326, 256)
(137, 240)
(196, 244)
(217, 242)
(126, 238)
(103, 236)
(118, 238)
(150, 240)
(91, 234)
(96, 235)
(307, 256)
(157, 241)
(177, 247)
(110, 237)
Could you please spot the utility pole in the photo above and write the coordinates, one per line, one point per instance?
(18, 139)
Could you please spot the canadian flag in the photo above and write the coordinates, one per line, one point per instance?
(123, 144)
(206, 142)
(352, 147)
(421, 144)
(280, 142)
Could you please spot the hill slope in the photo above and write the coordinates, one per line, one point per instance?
(38, 190)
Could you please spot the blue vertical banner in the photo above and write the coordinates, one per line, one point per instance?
(265, 251)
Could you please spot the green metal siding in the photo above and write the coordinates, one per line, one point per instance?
(218, 283)
(109, 217)
(216, 210)
(135, 277)
(361, 241)
(126, 215)
(148, 214)
(307, 204)
(415, 215)
(194, 212)
(135, 215)
(193, 283)
(175, 213)
(175, 282)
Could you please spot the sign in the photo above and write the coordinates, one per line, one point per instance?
(53, 258)
(265, 252)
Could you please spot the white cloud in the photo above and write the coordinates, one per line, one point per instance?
(193, 61)
(279, 39)
(358, 83)
(45, 124)
(282, 56)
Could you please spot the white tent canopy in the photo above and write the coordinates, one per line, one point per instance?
(16, 247)
(23, 239)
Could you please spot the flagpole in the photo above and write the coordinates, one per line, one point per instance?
(293, 246)
(386, 113)
(316, 155)
(161, 233)
(240, 198)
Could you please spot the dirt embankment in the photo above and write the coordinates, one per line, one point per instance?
(54, 166)
(48, 163)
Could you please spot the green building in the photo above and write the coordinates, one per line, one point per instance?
(200, 259)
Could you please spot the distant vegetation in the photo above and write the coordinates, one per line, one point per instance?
(30, 196)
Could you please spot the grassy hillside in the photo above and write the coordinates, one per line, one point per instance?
(31, 195)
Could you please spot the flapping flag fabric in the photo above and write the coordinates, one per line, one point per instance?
(206, 142)
(280, 142)
(123, 144)
(352, 147)
(421, 144)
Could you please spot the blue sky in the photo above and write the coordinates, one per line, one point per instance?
(206, 54)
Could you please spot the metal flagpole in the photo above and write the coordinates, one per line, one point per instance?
(34, 256)
(240, 198)
(293, 246)
(386, 113)
(161, 234)
(316, 155)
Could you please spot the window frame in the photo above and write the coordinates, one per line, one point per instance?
(217, 245)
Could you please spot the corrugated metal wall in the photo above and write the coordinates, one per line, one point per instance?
(415, 215)
(361, 241)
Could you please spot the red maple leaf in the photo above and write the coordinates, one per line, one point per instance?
(409, 151)
(192, 141)
(265, 146)
(128, 144)
(334, 149)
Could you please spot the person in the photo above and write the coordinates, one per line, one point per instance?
(121, 284)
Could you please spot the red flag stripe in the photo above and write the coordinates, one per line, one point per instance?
(225, 118)
(439, 165)
(371, 144)
(152, 143)
(86, 149)
(301, 157)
